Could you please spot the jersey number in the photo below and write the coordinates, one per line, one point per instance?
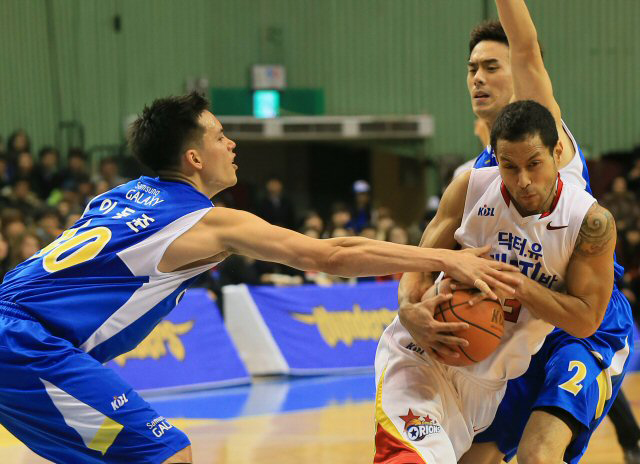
(573, 384)
(88, 244)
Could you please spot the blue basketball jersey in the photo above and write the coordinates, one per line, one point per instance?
(97, 285)
(612, 341)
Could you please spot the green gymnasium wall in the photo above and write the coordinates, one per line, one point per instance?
(62, 60)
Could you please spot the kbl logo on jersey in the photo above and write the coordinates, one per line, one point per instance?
(417, 427)
(119, 401)
(486, 211)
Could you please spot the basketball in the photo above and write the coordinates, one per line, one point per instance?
(486, 326)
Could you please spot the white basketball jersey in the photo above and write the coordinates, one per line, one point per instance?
(540, 245)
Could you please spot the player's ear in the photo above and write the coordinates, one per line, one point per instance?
(557, 150)
(193, 159)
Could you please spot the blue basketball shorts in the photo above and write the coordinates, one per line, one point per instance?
(68, 407)
(564, 375)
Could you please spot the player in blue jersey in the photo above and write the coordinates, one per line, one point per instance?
(547, 421)
(103, 285)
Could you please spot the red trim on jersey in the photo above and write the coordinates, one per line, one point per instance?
(555, 200)
(390, 450)
(505, 193)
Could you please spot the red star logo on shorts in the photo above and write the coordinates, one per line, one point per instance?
(409, 419)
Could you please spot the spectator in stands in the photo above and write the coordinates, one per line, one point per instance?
(4, 257)
(23, 247)
(622, 204)
(5, 175)
(384, 223)
(313, 220)
(109, 172)
(23, 198)
(66, 207)
(274, 206)
(49, 225)
(368, 232)
(76, 171)
(341, 232)
(48, 170)
(398, 234)
(633, 178)
(85, 192)
(340, 218)
(13, 224)
(361, 211)
(102, 186)
(71, 219)
(18, 143)
(26, 169)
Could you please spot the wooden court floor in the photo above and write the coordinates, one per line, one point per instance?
(335, 434)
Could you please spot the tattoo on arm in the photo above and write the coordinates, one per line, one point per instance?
(596, 233)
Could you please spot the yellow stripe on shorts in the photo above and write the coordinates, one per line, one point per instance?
(106, 435)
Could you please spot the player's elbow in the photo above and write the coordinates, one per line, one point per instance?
(582, 331)
(588, 325)
(596, 319)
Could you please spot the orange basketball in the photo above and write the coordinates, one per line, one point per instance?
(486, 326)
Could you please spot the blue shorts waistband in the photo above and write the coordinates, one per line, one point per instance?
(8, 308)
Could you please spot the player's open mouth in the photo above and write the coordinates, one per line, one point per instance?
(480, 95)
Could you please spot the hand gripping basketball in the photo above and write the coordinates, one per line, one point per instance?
(486, 327)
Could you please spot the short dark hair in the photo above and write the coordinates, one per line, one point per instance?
(487, 30)
(48, 149)
(490, 30)
(77, 152)
(522, 119)
(165, 129)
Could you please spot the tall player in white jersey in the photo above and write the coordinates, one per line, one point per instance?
(563, 243)
(102, 286)
(537, 417)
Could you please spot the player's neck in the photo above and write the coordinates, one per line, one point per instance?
(176, 176)
(546, 205)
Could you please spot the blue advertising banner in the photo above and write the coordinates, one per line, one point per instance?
(321, 329)
(189, 349)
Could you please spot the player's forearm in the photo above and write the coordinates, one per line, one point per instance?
(356, 256)
(518, 25)
(574, 315)
(413, 285)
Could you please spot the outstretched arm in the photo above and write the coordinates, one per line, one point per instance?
(224, 230)
(589, 280)
(530, 78)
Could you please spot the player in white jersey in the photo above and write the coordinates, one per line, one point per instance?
(563, 243)
(537, 417)
(103, 285)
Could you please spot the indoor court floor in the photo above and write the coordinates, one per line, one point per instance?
(316, 420)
